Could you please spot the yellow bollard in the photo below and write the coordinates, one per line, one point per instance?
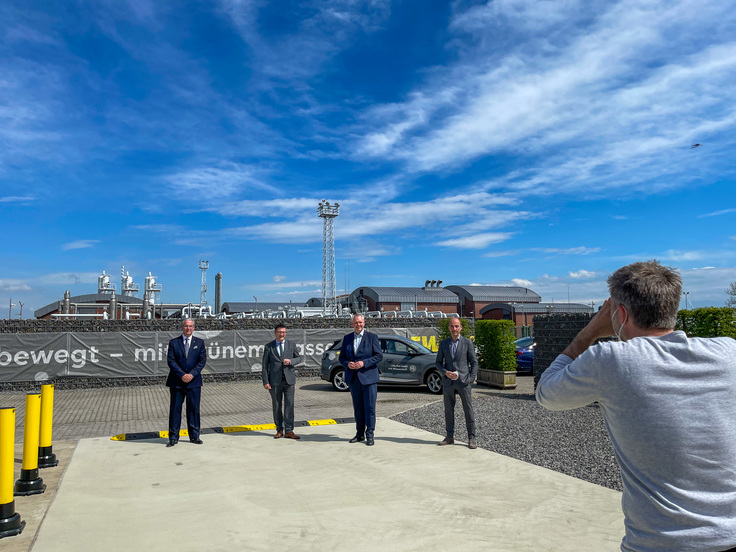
(46, 458)
(10, 523)
(30, 483)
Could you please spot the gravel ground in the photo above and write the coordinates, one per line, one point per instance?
(574, 442)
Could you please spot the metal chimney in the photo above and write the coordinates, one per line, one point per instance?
(218, 292)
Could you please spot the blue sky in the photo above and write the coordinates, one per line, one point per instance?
(513, 142)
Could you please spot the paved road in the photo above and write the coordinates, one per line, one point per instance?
(85, 413)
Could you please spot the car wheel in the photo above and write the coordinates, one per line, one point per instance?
(434, 382)
(338, 380)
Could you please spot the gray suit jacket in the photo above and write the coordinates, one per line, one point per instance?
(273, 366)
(465, 362)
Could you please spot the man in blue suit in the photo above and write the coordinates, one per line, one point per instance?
(186, 357)
(360, 354)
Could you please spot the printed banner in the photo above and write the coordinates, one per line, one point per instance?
(29, 357)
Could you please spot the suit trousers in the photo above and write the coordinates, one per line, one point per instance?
(364, 406)
(178, 396)
(449, 396)
(283, 394)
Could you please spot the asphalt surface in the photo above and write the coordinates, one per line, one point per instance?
(246, 490)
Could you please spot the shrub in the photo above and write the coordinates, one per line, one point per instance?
(707, 322)
(494, 340)
(444, 326)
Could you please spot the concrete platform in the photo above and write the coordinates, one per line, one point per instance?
(248, 491)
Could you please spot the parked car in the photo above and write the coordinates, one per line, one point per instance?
(525, 354)
(405, 362)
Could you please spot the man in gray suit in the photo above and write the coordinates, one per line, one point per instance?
(279, 378)
(457, 362)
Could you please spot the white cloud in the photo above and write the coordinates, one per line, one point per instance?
(66, 278)
(285, 207)
(582, 274)
(79, 244)
(217, 183)
(493, 254)
(360, 218)
(679, 256)
(718, 213)
(581, 250)
(294, 54)
(279, 278)
(477, 241)
(286, 285)
(520, 282)
(14, 285)
(16, 199)
(608, 100)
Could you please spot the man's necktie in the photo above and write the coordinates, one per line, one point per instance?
(281, 349)
(454, 348)
(356, 343)
(186, 346)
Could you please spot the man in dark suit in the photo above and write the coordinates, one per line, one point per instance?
(360, 354)
(457, 362)
(279, 378)
(186, 357)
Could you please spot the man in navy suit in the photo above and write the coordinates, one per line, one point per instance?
(186, 357)
(360, 354)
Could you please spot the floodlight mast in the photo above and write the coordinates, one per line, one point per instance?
(328, 213)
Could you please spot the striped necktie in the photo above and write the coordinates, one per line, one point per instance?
(186, 346)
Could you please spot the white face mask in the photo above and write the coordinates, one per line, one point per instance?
(621, 327)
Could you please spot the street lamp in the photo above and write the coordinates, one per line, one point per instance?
(686, 293)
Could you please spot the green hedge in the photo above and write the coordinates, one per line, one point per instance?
(444, 326)
(494, 340)
(707, 322)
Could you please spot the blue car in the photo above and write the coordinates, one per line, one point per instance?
(525, 354)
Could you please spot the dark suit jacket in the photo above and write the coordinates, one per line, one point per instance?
(369, 352)
(465, 362)
(273, 366)
(180, 365)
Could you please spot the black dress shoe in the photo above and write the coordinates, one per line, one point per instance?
(196, 441)
(357, 439)
(369, 441)
(171, 443)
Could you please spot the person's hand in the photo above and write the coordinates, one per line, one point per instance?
(287, 362)
(186, 378)
(600, 325)
(267, 387)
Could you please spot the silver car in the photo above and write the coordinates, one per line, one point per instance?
(405, 362)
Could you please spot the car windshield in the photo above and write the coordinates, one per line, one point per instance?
(524, 342)
(421, 348)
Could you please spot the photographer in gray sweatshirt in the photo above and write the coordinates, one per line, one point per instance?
(669, 404)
